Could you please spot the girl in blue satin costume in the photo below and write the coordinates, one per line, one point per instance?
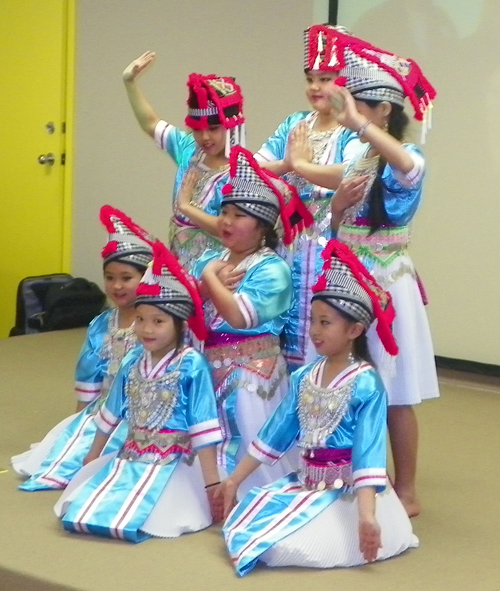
(249, 293)
(308, 149)
(216, 121)
(53, 462)
(375, 224)
(336, 509)
(161, 481)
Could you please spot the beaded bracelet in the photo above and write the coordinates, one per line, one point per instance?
(361, 131)
(213, 484)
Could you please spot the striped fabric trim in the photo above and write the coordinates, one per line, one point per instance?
(105, 420)
(265, 155)
(263, 452)
(298, 505)
(411, 179)
(370, 477)
(87, 391)
(247, 310)
(89, 506)
(50, 475)
(253, 509)
(133, 501)
(206, 433)
(162, 130)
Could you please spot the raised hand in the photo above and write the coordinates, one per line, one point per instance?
(344, 108)
(298, 147)
(138, 65)
(185, 194)
(350, 191)
(369, 539)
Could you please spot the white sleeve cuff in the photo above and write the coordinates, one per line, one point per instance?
(105, 420)
(376, 477)
(412, 179)
(263, 453)
(264, 155)
(206, 433)
(162, 130)
(87, 392)
(247, 310)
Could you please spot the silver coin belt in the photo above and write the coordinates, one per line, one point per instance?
(151, 402)
(321, 410)
(330, 475)
(149, 447)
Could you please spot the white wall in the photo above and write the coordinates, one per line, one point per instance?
(257, 41)
(456, 238)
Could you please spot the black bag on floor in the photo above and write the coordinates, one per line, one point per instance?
(56, 302)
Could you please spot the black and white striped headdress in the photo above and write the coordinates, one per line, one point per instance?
(348, 286)
(127, 242)
(264, 195)
(170, 288)
(343, 292)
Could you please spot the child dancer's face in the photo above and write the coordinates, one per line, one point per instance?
(120, 283)
(239, 231)
(332, 334)
(155, 329)
(318, 88)
(212, 140)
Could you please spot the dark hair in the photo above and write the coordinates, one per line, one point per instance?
(136, 266)
(397, 125)
(271, 239)
(230, 111)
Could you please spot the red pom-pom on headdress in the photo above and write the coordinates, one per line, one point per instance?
(204, 87)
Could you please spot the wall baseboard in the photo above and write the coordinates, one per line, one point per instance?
(485, 369)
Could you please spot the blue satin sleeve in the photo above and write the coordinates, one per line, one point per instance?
(206, 257)
(370, 432)
(198, 386)
(268, 285)
(180, 145)
(274, 147)
(282, 428)
(91, 367)
(401, 200)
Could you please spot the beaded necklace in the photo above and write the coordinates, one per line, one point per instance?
(322, 409)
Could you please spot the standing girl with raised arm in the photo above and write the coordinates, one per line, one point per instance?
(215, 118)
(57, 458)
(376, 227)
(308, 148)
(161, 482)
(246, 320)
(336, 510)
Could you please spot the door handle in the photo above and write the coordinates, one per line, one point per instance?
(47, 159)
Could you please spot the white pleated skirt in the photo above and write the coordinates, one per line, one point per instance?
(412, 377)
(331, 539)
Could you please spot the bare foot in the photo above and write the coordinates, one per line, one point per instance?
(409, 501)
